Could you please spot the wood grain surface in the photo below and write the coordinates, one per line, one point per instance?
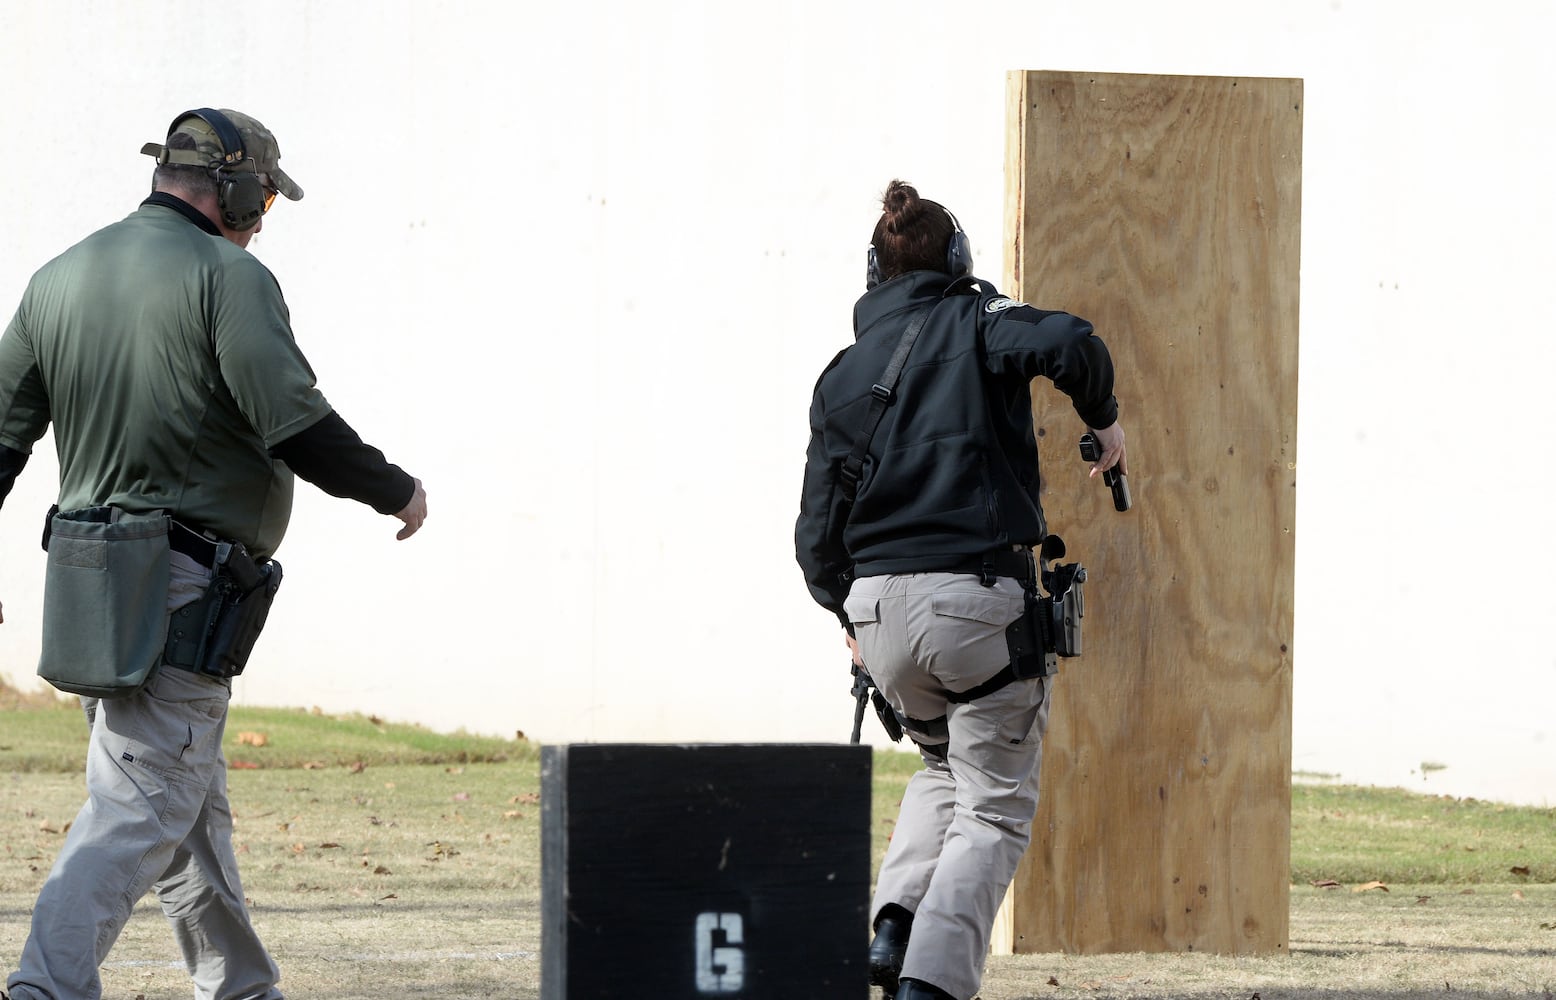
(1166, 210)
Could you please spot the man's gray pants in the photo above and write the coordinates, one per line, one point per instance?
(156, 818)
(966, 818)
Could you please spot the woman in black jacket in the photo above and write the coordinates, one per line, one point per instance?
(918, 518)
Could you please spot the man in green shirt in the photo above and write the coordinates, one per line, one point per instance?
(162, 353)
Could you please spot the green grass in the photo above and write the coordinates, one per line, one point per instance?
(386, 860)
(1347, 834)
(1352, 835)
(294, 738)
(44, 734)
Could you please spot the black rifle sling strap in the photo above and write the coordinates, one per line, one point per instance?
(881, 396)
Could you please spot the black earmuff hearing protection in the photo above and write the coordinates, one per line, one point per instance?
(958, 255)
(240, 196)
(958, 252)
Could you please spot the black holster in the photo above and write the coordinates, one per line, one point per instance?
(1051, 625)
(215, 634)
(866, 693)
(1031, 647)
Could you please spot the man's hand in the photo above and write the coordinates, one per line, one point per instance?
(1112, 441)
(414, 513)
(853, 648)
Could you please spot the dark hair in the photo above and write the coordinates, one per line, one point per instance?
(184, 178)
(913, 233)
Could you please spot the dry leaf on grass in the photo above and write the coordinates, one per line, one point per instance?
(1326, 883)
(1371, 885)
(1520, 870)
(243, 765)
(249, 739)
(528, 798)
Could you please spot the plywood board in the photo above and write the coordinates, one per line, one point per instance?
(1166, 210)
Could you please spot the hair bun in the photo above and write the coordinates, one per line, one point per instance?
(900, 203)
(912, 234)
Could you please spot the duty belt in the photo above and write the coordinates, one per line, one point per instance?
(180, 537)
(1016, 563)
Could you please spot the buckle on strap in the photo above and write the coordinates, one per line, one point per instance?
(881, 392)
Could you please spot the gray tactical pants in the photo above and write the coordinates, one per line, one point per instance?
(156, 818)
(966, 818)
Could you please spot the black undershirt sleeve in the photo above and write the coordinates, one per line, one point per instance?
(11, 463)
(331, 456)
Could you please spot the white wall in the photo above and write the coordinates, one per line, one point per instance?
(577, 267)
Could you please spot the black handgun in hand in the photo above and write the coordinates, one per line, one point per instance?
(1114, 478)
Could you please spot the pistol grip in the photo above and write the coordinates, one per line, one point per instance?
(1120, 486)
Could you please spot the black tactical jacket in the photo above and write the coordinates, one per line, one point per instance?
(951, 473)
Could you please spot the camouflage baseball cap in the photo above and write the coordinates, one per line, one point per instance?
(259, 145)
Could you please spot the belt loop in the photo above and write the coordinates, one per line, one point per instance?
(986, 574)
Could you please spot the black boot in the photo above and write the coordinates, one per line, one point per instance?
(913, 989)
(889, 947)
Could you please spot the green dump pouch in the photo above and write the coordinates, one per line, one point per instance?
(104, 600)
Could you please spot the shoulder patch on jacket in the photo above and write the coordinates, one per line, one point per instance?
(1001, 303)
